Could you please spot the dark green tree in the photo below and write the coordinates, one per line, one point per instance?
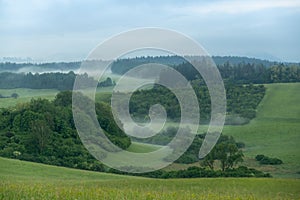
(226, 152)
(14, 95)
(40, 133)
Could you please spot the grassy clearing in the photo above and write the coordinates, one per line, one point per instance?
(137, 147)
(25, 180)
(275, 131)
(25, 95)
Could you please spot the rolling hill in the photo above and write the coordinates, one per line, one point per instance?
(275, 131)
(25, 180)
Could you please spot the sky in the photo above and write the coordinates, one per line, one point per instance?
(65, 30)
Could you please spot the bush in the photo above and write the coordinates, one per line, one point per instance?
(259, 157)
(250, 114)
(265, 160)
(270, 161)
(14, 95)
(240, 145)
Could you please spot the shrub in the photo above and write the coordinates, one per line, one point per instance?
(14, 95)
(240, 145)
(265, 160)
(259, 157)
(270, 161)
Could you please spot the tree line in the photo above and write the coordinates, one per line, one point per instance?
(236, 72)
(59, 81)
(240, 70)
(60, 66)
(119, 65)
(44, 131)
(242, 101)
(199, 172)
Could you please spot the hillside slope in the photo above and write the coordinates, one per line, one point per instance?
(275, 131)
(25, 180)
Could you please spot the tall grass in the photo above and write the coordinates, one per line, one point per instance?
(25, 180)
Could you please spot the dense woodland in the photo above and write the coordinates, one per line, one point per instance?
(44, 131)
(241, 102)
(239, 70)
(60, 81)
(59, 66)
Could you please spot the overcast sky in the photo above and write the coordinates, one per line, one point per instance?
(64, 30)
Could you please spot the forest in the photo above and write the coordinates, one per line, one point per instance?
(43, 131)
(58, 80)
(240, 70)
(241, 102)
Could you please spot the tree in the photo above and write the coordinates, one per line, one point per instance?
(63, 98)
(110, 126)
(14, 95)
(227, 153)
(41, 134)
(265, 160)
(209, 160)
(107, 83)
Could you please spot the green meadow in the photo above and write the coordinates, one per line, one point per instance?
(138, 147)
(25, 95)
(275, 131)
(26, 180)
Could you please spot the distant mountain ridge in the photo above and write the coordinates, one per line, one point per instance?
(167, 60)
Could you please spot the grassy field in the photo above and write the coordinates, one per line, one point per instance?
(137, 147)
(275, 131)
(25, 180)
(25, 95)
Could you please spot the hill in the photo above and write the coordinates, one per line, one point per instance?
(25, 180)
(275, 130)
(14, 66)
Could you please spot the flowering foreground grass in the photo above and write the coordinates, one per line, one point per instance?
(24, 180)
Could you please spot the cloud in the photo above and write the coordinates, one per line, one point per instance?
(71, 28)
(235, 7)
